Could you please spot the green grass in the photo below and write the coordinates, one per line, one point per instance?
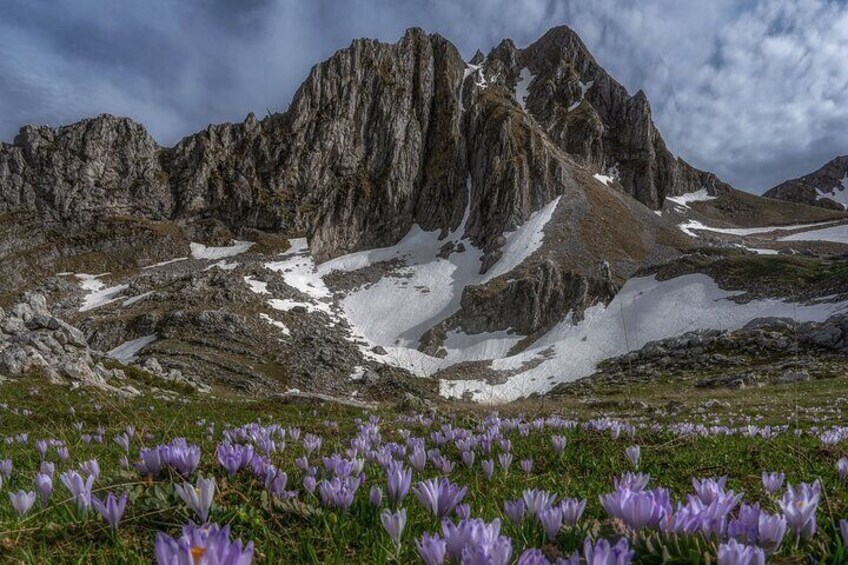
(304, 533)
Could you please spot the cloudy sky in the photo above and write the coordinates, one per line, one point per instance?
(754, 90)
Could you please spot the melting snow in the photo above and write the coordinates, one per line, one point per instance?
(128, 351)
(256, 286)
(275, 323)
(522, 88)
(98, 293)
(223, 265)
(696, 225)
(836, 234)
(168, 262)
(645, 310)
(684, 199)
(200, 251)
(607, 180)
(138, 298)
(584, 88)
(838, 193)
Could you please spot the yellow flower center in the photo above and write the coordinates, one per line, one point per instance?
(197, 554)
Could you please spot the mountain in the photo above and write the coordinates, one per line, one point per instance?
(410, 215)
(827, 187)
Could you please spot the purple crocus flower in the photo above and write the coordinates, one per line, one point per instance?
(533, 557)
(44, 487)
(399, 480)
(394, 523)
(91, 467)
(799, 505)
(112, 510)
(496, 552)
(632, 454)
(432, 549)
(488, 468)
(735, 553)
(22, 501)
(276, 481)
(463, 511)
(632, 481)
(63, 453)
(233, 457)
(80, 489)
(527, 465)
(709, 490)
(339, 492)
(464, 540)
(468, 458)
(202, 545)
(572, 510)
(843, 531)
(309, 483)
(6, 468)
(418, 459)
(198, 498)
(602, 553)
(745, 527)
(123, 441)
(842, 468)
(311, 443)
(41, 446)
(440, 497)
(537, 500)
(514, 510)
(375, 497)
(551, 520)
(47, 468)
(771, 529)
(637, 509)
(505, 459)
(772, 482)
(558, 443)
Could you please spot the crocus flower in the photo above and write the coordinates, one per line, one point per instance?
(399, 480)
(375, 496)
(91, 467)
(526, 465)
(6, 468)
(44, 487)
(463, 511)
(198, 498)
(309, 483)
(637, 509)
(80, 489)
(537, 500)
(488, 468)
(843, 531)
(514, 510)
(771, 528)
(842, 468)
(772, 482)
(799, 505)
(572, 510)
(505, 459)
(432, 549)
(63, 453)
(394, 523)
(468, 458)
(22, 501)
(41, 446)
(202, 545)
(735, 553)
(551, 520)
(440, 497)
(602, 553)
(123, 440)
(632, 454)
(558, 443)
(276, 481)
(112, 509)
(47, 468)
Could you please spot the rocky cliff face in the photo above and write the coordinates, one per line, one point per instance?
(826, 187)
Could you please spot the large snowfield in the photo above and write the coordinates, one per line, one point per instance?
(400, 307)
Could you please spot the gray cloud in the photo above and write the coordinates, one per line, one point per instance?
(756, 91)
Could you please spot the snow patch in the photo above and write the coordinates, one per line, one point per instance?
(168, 262)
(200, 251)
(98, 293)
(686, 228)
(684, 199)
(128, 351)
(525, 77)
(138, 298)
(256, 286)
(835, 234)
(607, 180)
(275, 323)
(645, 310)
(838, 193)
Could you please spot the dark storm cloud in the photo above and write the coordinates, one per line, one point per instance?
(756, 91)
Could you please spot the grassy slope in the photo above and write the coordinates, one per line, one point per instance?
(304, 534)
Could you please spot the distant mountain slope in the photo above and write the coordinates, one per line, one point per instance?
(827, 187)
